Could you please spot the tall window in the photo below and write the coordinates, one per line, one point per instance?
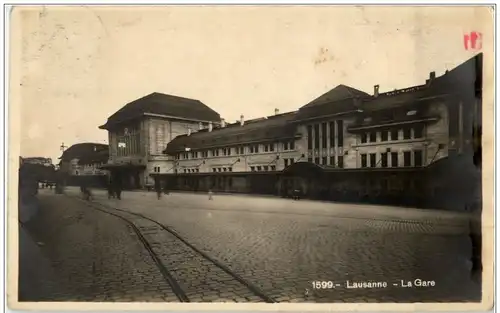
(316, 160)
(394, 134)
(373, 136)
(324, 135)
(309, 160)
(364, 138)
(316, 136)
(340, 132)
(407, 133)
(332, 161)
(373, 160)
(285, 162)
(309, 137)
(332, 134)
(323, 160)
(384, 135)
(340, 161)
(418, 156)
(407, 158)
(364, 160)
(394, 159)
(383, 160)
(418, 131)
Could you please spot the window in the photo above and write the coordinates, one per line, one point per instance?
(323, 160)
(316, 160)
(407, 133)
(219, 169)
(364, 138)
(271, 147)
(204, 154)
(292, 161)
(316, 136)
(373, 137)
(197, 170)
(394, 159)
(364, 160)
(340, 133)
(373, 160)
(407, 158)
(384, 157)
(226, 151)
(240, 150)
(266, 168)
(273, 167)
(290, 145)
(185, 170)
(324, 135)
(266, 148)
(309, 137)
(215, 152)
(309, 160)
(252, 168)
(394, 134)
(254, 149)
(384, 136)
(285, 162)
(259, 168)
(340, 161)
(418, 131)
(332, 161)
(418, 155)
(214, 170)
(229, 169)
(225, 169)
(332, 134)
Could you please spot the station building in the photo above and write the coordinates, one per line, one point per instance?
(139, 132)
(407, 146)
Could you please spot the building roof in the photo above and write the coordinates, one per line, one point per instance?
(337, 94)
(339, 100)
(82, 150)
(100, 156)
(163, 104)
(461, 79)
(272, 128)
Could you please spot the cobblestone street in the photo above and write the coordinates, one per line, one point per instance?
(85, 255)
(280, 246)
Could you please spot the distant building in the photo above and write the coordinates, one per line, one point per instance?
(139, 132)
(346, 144)
(37, 160)
(84, 160)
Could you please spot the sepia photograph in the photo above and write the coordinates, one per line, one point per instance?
(307, 156)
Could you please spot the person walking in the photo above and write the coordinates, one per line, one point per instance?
(210, 194)
(158, 188)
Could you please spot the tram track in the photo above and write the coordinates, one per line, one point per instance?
(211, 279)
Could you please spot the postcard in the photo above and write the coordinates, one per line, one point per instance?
(251, 157)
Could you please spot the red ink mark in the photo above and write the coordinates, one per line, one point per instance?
(473, 41)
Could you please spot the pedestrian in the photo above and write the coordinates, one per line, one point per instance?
(158, 188)
(210, 195)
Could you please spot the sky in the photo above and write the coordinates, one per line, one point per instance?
(75, 66)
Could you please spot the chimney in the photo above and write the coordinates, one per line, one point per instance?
(210, 126)
(200, 125)
(189, 131)
(432, 75)
(222, 123)
(276, 111)
(375, 90)
(242, 120)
